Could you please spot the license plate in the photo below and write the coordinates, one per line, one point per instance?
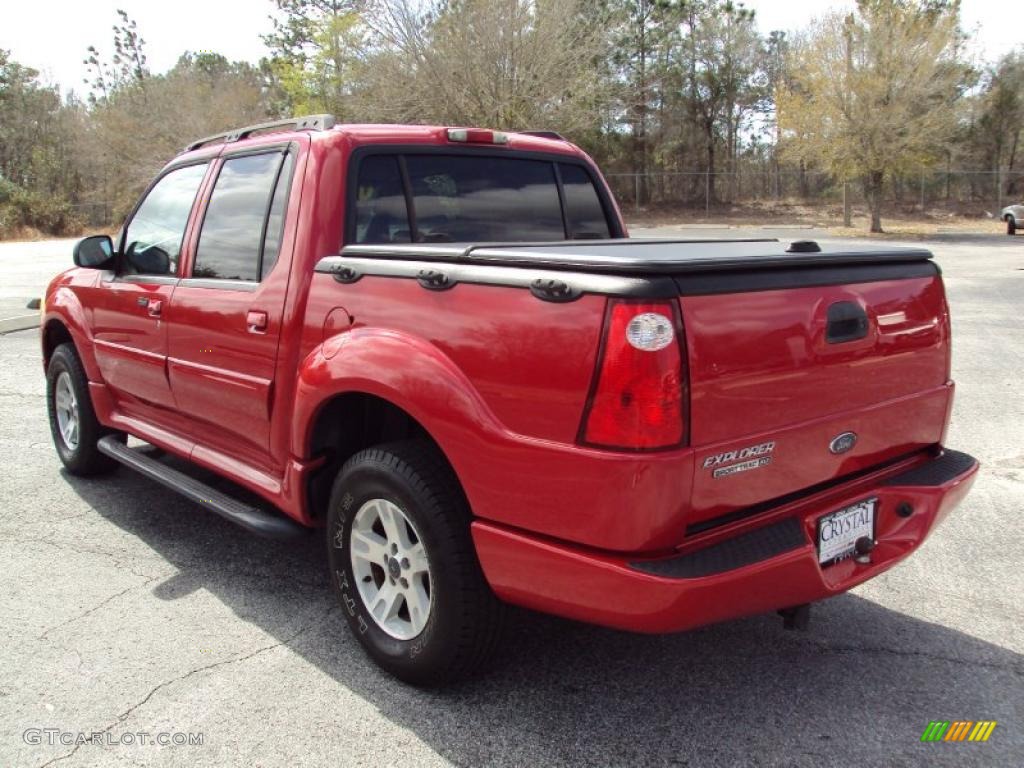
(838, 531)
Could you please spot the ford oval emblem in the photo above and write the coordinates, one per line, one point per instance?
(842, 443)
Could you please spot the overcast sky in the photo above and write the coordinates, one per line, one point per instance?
(52, 36)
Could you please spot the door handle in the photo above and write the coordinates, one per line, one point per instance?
(256, 321)
(154, 307)
(845, 321)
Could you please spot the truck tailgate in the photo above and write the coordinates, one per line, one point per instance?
(799, 385)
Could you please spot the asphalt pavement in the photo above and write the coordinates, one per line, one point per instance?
(130, 613)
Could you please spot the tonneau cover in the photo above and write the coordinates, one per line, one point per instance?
(643, 256)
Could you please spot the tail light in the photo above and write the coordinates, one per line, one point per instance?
(637, 400)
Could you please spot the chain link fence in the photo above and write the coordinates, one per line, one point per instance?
(967, 193)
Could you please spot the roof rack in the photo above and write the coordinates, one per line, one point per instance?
(544, 135)
(304, 123)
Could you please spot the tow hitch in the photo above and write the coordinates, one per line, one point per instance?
(797, 617)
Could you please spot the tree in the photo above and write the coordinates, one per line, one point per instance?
(874, 93)
(36, 168)
(776, 55)
(1002, 116)
(138, 120)
(126, 65)
(515, 64)
(719, 61)
(315, 48)
(640, 33)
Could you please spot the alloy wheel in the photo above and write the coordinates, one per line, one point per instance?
(391, 568)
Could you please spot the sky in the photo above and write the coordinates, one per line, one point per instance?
(52, 36)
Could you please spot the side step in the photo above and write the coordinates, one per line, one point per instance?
(253, 519)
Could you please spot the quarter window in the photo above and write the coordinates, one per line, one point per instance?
(583, 211)
(232, 240)
(381, 215)
(152, 239)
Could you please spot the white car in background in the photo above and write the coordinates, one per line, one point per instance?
(1013, 215)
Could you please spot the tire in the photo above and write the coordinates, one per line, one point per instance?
(68, 402)
(429, 551)
(1011, 226)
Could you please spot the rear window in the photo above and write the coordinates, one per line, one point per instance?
(464, 198)
(474, 199)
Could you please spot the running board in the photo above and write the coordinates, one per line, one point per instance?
(253, 519)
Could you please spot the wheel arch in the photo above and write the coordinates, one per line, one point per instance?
(348, 423)
(55, 333)
(66, 320)
(393, 384)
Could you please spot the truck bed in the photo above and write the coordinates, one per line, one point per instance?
(647, 256)
(783, 346)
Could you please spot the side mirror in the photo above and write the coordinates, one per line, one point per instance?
(94, 252)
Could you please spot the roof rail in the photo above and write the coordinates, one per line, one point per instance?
(303, 123)
(544, 135)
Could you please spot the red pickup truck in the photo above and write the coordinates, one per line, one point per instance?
(438, 346)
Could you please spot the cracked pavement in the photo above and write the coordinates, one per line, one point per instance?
(128, 610)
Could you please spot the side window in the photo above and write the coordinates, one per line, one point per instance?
(152, 242)
(231, 239)
(381, 214)
(582, 205)
(275, 219)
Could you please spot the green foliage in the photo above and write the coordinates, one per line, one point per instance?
(21, 209)
(314, 57)
(875, 93)
(35, 161)
(997, 137)
(47, 214)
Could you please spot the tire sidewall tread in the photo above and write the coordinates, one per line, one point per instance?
(465, 617)
(85, 460)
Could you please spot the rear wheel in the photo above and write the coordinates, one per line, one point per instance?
(73, 421)
(403, 564)
(1011, 225)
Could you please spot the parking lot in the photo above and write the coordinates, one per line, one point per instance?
(130, 611)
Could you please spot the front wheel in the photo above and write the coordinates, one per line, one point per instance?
(1011, 225)
(404, 567)
(73, 422)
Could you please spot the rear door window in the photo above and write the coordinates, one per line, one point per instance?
(232, 238)
(275, 220)
(458, 198)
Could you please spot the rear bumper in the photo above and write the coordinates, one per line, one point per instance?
(742, 569)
